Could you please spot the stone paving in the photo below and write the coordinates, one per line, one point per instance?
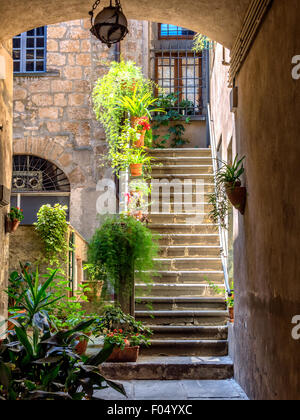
(177, 390)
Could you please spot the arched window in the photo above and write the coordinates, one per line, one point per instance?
(37, 182)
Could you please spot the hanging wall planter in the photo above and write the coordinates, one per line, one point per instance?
(11, 225)
(237, 195)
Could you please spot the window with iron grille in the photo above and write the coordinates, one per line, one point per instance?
(181, 73)
(167, 31)
(36, 182)
(30, 51)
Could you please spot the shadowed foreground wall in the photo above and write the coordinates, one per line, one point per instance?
(267, 266)
(6, 87)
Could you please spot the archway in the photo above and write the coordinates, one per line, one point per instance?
(221, 20)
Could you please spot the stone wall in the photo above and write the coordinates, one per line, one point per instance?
(267, 273)
(26, 246)
(6, 89)
(53, 116)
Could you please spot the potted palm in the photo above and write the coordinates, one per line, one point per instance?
(13, 219)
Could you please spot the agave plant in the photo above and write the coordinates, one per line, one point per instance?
(231, 173)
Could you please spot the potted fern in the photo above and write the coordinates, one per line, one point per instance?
(125, 248)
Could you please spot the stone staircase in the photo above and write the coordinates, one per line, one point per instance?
(185, 314)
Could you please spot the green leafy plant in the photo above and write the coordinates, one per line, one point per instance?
(201, 42)
(139, 105)
(52, 227)
(16, 214)
(45, 366)
(114, 319)
(123, 245)
(229, 299)
(121, 340)
(32, 295)
(220, 207)
(175, 133)
(229, 174)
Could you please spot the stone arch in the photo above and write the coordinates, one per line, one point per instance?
(221, 20)
(55, 153)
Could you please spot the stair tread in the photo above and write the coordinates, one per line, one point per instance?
(183, 299)
(183, 312)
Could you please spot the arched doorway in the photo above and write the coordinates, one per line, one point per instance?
(36, 182)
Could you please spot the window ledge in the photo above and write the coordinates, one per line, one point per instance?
(36, 74)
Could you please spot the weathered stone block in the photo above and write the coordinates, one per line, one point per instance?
(73, 73)
(61, 86)
(50, 113)
(69, 46)
(42, 99)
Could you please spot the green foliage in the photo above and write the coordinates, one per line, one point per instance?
(45, 366)
(108, 91)
(229, 299)
(114, 318)
(32, 295)
(169, 103)
(52, 227)
(228, 176)
(123, 245)
(201, 42)
(16, 214)
(220, 204)
(139, 105)
(36, 364)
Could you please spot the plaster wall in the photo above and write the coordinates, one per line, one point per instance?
(266, 248)
(6, 93)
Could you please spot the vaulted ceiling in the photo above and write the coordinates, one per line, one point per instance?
(220, 20)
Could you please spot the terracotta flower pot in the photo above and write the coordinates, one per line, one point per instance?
(231, 314)
(11, 225)
(96, 291)
(81, 347)
(136, 169)
(141, 142)
(128, 355)
(237, 195)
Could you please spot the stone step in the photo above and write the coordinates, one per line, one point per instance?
(186, 186)
(189, 264)
(159, 169)
(170, 368)
(179, 303)
(183, 348)
(189, 239)
(189, 332)
(187, 277)
(182, 207)
(178, 153)
(176, 289)
(184, 160)
(184, 228)
(190, 251)
(185, 218)
(183, 317)
(207, 178)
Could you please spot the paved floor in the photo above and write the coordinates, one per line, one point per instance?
(177, 390)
